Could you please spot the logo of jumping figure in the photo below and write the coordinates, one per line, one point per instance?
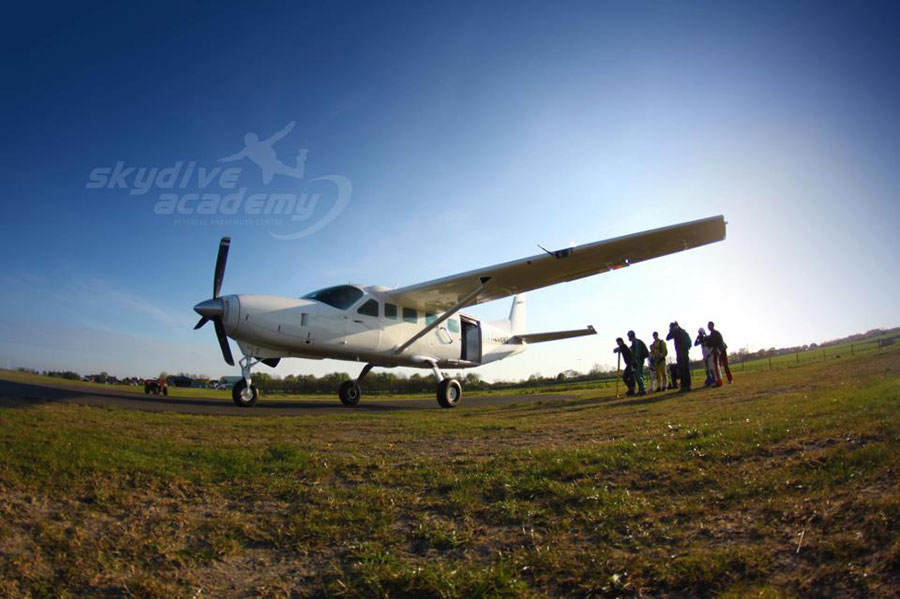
(262, 154)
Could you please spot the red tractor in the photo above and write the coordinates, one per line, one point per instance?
(156, 386)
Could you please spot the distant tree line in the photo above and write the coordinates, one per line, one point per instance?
(62, 374)
(745, 353)
(375, 382)
(398, 384)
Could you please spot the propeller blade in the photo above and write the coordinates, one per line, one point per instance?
(221, 259)
(201, 322)
(223, 341)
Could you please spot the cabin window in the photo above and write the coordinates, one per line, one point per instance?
(410, 315)
(390, 311)
(453, 325)
(370, 308)
(340, 297)
(304, 319)
(429, 318)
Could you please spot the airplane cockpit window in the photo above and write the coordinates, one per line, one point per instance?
(370, 308)
(340, 297)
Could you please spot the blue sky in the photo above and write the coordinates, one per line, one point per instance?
(470, 134)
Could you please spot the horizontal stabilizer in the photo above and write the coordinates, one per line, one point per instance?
(541, 337)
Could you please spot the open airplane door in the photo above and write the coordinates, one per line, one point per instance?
(471, 339)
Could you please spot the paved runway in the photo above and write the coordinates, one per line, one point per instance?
(18, 394)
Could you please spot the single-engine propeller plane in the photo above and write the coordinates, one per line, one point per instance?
(420, 325)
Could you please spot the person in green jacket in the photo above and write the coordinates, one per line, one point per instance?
(658, 353)
(639, 353)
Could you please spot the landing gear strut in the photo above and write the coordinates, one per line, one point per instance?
(449, 391)
(349, 391)
(244, 393)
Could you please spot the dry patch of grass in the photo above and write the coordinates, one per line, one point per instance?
(784, 484)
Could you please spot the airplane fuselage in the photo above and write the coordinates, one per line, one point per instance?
(370, 330)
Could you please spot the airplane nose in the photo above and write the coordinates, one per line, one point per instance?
(211, 308)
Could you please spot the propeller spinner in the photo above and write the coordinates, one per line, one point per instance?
(214, 309)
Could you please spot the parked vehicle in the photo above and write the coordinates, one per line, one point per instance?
(156, 386)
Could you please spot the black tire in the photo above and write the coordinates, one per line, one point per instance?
(237, 394)
(449, 392)
(349, 393)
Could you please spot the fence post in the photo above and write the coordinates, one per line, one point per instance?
(798, 357)
(770, 362)
(851, 350)
(823, 355)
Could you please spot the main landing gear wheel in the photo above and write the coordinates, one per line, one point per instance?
(349, 393)
(242, 396)
(449, 392)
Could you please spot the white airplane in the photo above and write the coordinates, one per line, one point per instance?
(420, 325)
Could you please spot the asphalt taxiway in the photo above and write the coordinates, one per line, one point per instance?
(23, 394)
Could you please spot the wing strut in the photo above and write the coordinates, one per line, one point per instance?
(440, 320)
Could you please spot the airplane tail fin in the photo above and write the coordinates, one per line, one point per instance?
(517, 315)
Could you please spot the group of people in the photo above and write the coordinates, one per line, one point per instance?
(715, 359)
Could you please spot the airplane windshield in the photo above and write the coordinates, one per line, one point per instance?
(340, 297)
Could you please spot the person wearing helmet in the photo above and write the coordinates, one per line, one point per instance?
(702, 341)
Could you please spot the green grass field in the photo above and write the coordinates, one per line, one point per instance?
(782, 485)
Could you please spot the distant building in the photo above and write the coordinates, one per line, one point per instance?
(229, 381)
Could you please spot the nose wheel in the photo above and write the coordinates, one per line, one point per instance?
(243, 395)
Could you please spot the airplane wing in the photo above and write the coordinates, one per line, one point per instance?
(502, 280)
(541, 337)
